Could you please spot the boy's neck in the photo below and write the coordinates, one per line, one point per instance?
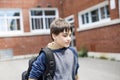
(54, 46)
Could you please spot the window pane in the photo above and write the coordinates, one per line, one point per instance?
(70, 19)
(2, 25)
(41, 23)
(10, 20)
(41, 19)
(37, 23)
(87, 18)
(36, 13)
(1, 13)
(95, 16)
(48, 22)
(13, 24)
(18, 24)
(13, 13)
(83, 19)
(32, 24)
(107, 10)
(49, 13)
(102, 12)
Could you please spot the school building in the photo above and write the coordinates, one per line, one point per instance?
(24, 25)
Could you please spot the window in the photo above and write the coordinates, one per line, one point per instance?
(10, 21)
(70, 19)
(93, 16)
(42, 18)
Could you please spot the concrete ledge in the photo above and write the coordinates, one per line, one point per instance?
(18, 57)
(115, 56)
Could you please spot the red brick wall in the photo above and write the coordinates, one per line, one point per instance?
(74, 6)
(114, 13)
(101, 39)
(105, 39)
(27, 44)
(24, 45)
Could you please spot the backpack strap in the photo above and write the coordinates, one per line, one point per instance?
(50, 63)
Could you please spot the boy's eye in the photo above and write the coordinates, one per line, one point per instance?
(65, 35)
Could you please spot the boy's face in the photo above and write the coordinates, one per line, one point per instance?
(63, 39)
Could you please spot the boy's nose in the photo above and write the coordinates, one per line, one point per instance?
(69, 38)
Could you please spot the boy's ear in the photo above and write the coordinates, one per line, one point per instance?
(54, 36)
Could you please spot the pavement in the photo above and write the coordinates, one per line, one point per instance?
(97, 69)
(90, 69)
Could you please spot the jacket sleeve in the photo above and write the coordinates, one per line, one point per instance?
(38, 67)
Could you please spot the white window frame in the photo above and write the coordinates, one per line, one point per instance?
(92, 25)
(7, 33)
(44, 30)
(70, 19)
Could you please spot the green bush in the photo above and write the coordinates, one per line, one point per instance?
(83, 52)
(103, 57)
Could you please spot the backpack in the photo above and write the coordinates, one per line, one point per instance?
(50, 66)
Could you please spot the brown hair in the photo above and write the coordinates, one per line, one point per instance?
(59, 25)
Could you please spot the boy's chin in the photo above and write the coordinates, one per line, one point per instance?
(66, 46)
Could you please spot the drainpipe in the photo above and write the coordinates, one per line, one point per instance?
(61, 7)
(119, 7)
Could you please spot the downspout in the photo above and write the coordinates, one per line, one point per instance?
(119, 7)
(61, 7)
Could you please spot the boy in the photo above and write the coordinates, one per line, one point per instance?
(65, 56)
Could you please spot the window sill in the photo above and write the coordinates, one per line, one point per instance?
(102, 24)
(24, 34)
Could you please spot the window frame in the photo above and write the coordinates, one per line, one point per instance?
(70, 19)
(42, 31)
(92, 25)
(6, 18)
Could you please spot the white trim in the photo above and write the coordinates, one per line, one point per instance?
(116, 56)
(94, 7)
(44, 30)
(44, 9)
(20, 57)
(102, 24)
(90, 24)
(112, 4)
(16, 17)
(70, 17)
(119, 7)
(24, 34)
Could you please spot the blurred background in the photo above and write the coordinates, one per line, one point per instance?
(24, 30)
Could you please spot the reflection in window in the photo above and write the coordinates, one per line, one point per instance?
(48, 21)
(87, 18)
(2, 25)
(37, 23)
(102, 12)
(36, 13)
(14, 24)
(83, 19)
(10, 20)
(49, 12)
(13, 13)
(41, 19)
(107, 11)
(95, 16)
